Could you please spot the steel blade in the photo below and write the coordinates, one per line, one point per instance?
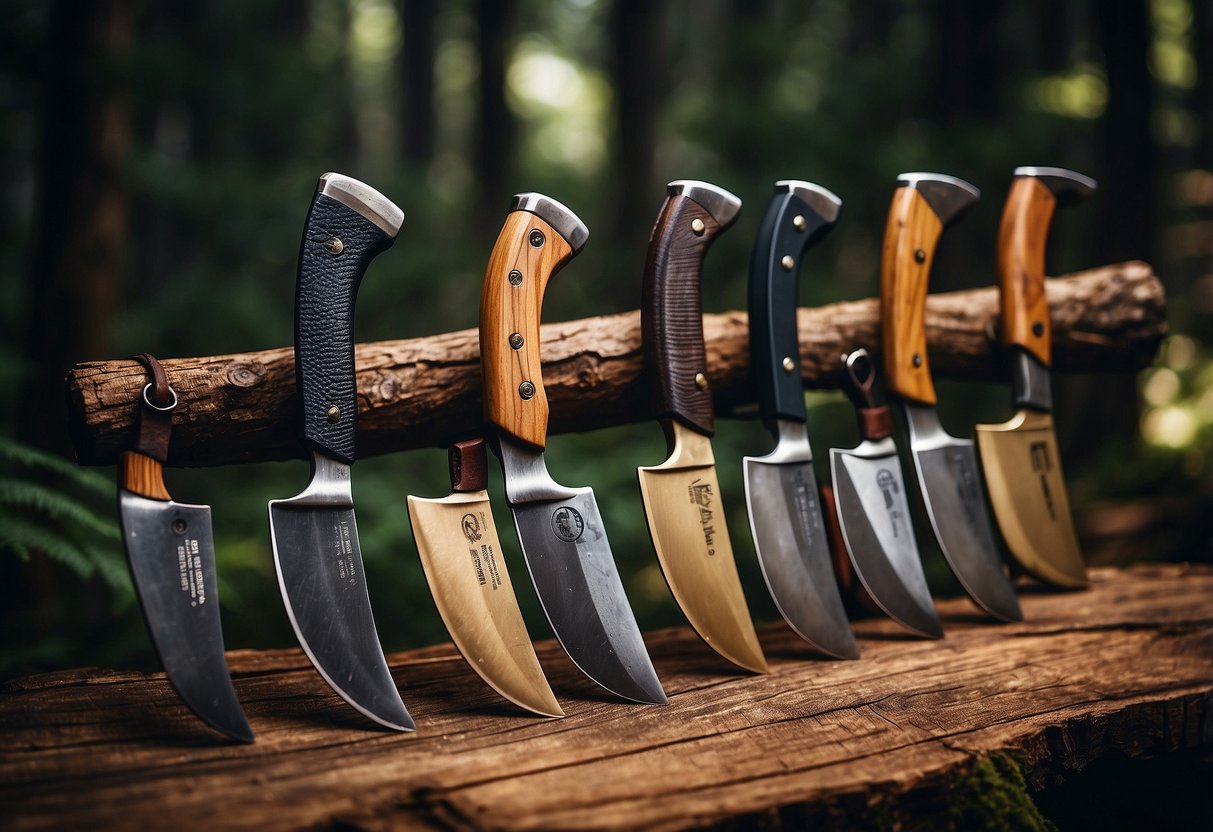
(570, 561)
(1028, 491)
(951, 490)
(323, 585)
(686, 519)
(875, 518)
(171, 552)
(789, 536)
(461, 557)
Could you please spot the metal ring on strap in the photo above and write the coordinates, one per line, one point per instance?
(164, 409)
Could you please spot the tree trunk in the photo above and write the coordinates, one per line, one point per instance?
(495, 127)
(417, 66)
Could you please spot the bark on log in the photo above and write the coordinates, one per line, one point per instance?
(425, 392)
(1119, 670)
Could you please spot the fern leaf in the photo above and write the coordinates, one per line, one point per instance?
(55, 505)
(18, 534)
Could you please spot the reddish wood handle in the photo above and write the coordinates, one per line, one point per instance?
(469, 466)
(1022, 235)
(671, 314)
(910, 237)
(527, 253)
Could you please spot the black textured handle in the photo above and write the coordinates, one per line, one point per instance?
(671, 316)
(346, 228)
(798, 215)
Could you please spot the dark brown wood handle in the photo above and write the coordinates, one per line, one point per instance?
(527, 253)
(1022, 236)
(910, 237)
(469, 466)
(671, 315)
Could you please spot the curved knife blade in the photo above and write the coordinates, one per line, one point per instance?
(314, 534)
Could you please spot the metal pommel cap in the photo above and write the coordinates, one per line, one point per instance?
(822, 200)
(563, 221)
(1067, 186)
(722, 205)
(950, 198)
(361, 197)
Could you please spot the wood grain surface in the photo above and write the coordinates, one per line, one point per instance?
(1124, 668)
(1023, 233)
(425, 392)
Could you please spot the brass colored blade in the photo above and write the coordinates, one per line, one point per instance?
(462, 560)
(1028, 491)
(687, 522)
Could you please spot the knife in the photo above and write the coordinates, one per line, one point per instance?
(924, 204)
(561, 530)
(171, 552)
(315, 537)
(1019, 458)
(780, 488)
(681, 496)
(462, 560)
(874, 512)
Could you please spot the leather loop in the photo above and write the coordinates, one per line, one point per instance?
(875, 423)
(156, 403)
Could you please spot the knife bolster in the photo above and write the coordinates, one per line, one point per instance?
(1030, 385)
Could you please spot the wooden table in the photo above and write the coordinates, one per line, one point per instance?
(1126, 667)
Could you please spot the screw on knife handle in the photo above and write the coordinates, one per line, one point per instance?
(539, 236)
(924, 204)
(469, 466)
(348, 224)
(1022, 236)
(798, 215)
(671, 315)
(875, 422)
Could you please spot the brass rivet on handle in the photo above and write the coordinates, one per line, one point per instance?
(798, 222)
(920, 256)
(697, 226)
(526, 390)
(788, 364)
(701, 381)
(334, 245)
(536, 237)
(333, 414)
(787, 262)
(516, 340)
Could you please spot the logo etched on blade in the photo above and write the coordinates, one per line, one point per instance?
(804, 498)
(568, 524)
(967, 488)
(189, 565)
(346, 568)
(700, 493)
(1042, 465)
(887, 482)
(471, 528)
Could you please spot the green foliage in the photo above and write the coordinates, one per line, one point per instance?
(994, 797)
(50, 507)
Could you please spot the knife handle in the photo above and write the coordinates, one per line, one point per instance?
(1022, 236)
(348, 224)
(798, 215)
(671, 316)
(538, 238)
(875, 421)
(924, 204)
(469, 466)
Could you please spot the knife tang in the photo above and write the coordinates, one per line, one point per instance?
(671, 316)
(924, 204)
(1022, 235)
(349, 223)
(798, 215)
(538, 238)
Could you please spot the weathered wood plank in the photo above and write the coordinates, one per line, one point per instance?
(425, 392)
(1124, 667)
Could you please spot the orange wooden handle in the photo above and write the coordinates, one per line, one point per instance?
(144, 476)
(1022, 235)
(910, 237)
(511, 300)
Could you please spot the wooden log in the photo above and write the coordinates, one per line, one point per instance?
(425, 392)
(1120, 669)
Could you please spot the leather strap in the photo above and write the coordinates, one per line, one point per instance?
(875, 423)
(156, 403)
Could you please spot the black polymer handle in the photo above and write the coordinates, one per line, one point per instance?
(799, 214)
(671, 316)
(348, 225)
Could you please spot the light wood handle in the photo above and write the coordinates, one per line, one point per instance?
(144, 476)
(1022, 235)
(910, 237)
(514, 399)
